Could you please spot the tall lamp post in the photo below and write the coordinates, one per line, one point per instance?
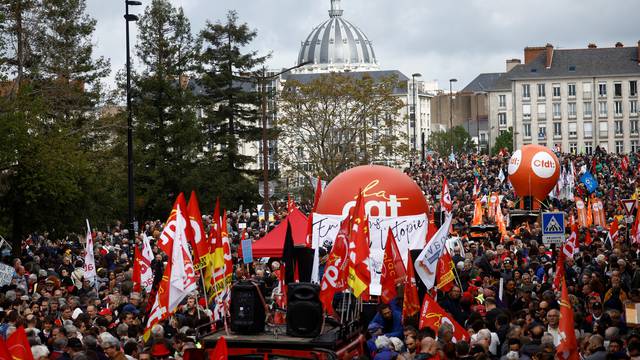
(262, 81)
(413, 114)
(131, 221)
(451, 81)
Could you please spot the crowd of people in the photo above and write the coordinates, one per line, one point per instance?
(66, 317)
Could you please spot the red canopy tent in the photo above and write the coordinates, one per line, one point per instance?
(272, 244)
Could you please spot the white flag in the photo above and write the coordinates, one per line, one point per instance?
(89, 260)
(146, 273)
(501, 176)
(183, 278)
(427, 261)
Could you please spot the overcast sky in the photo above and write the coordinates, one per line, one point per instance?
(440, 39)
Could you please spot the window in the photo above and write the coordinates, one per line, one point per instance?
(557, 129)
(633, 107)
(619, 147)
(541, 90)
(588, 110)
(502, 119)
(556, 90)
(573, 148)
(527, 130)
(542, 131)
(526, 111)
(571, 109)
(586, 90)
(603, 129)
(556, 111)
(573, 130)
(634, 146)
(588, 147)
(617, 89)
(571, 90)
(633, 88)
(633, 126)
(602, 89)
(526, 91)
(617, 107)
(502, 100)
(542, 111)
(618, 126)
(602, 108)
(588, 129)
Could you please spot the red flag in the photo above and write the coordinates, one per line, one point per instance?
(393, 272)
(359, 273)
(559, 275)
(18, 345)
(220, 352)
(445, 278)
(168, 233)
(587, 238)
(624, 164)
(572, 245)
(215, 227)
(4, 352)
(568, 347)
(411, 303)
(137, 270)
(445, 197)
(195, 232)
(280, 297)
(291, 204)
(613, 234)
(635, 230)
(334, 278)
(432, 316)
(432, 229)
(310, 217)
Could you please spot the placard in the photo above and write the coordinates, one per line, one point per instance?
(6, 274)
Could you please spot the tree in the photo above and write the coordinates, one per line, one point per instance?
(504, 140)
(337, 121)
(167, 134)
(231, 105)
(456, 139)
(17, 32)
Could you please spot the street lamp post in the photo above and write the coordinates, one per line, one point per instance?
(451, 81)
(131, 220)
(262, 81)
(413, 114)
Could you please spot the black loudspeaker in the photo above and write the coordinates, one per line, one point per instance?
(304, 310)
(247, 308)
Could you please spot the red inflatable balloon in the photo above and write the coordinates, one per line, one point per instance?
(388, 192)
(533, 171)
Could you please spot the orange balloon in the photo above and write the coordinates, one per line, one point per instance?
(388, 192)
(533, 171)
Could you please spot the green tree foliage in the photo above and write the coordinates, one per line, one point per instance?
(53, 173)
(231, 106)
(167, 135)
(336, 121)
(457, 139)
(504, 140)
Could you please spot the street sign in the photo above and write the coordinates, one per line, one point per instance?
(552, 228)
(628, 205)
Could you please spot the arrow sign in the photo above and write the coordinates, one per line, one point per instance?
(628, 205)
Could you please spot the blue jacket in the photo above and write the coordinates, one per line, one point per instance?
(392, 329)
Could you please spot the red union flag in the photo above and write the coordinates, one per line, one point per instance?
(444, 273)
(568, 347)
(432, 316)
(445, 197)
(334, 278)
(18, 345)
(359, 274)
(393, 272)
(195, 232)
(411, 303)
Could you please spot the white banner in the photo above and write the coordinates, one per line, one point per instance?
(409, 231)
(6, 274)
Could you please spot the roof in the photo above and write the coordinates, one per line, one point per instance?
(483, 82)
(571, 63)
(272, 244)
(376, 75)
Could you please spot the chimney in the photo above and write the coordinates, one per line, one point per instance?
(592, 46)
(619, 44)
(184, 81)
(511, 63)
(531, 53)
(549, 57)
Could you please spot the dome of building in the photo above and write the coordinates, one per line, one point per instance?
(337, 45)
